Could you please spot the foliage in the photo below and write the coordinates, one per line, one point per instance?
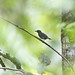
(31, 15)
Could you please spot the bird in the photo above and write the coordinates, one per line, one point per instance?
(42, 35)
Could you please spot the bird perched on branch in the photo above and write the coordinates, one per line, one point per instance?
(42, 35)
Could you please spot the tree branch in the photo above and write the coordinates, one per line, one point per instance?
(15, 62)
(12, 59)
(13, 69)
(20, 70)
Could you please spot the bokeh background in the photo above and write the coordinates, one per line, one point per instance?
(44, 15)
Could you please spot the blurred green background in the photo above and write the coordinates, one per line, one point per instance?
(44, 15)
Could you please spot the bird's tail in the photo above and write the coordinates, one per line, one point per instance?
(49, 38)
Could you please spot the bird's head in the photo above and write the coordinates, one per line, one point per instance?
(38, 31)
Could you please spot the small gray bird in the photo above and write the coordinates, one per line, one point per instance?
(42, 35)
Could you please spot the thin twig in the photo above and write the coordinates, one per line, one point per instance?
(20, 70)
(13, 69)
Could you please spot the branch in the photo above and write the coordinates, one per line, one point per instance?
(2, 63)
(12, 59)
(20, 70)
(39, 40)
(11, 69)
